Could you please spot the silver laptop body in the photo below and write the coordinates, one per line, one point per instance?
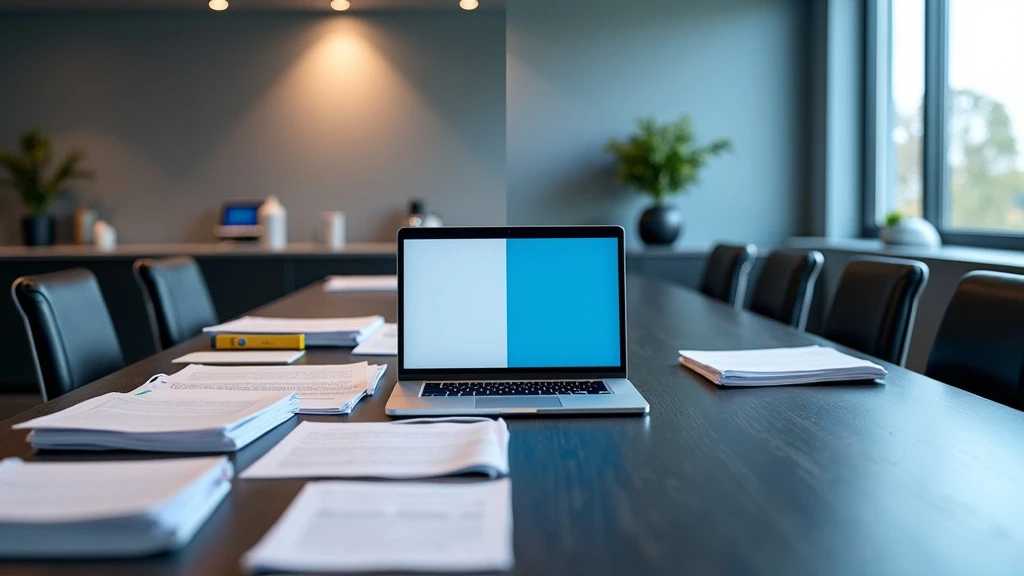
(512, 321)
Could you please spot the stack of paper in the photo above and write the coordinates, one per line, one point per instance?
(779, 366)
(163, 421)
(241, 357)
(361, 284)
(106, 509)
(386, 450)
(318, 331)
(383, 342)
(374, 527)
(320, 389)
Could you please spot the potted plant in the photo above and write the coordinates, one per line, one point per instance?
(902, 231)
(27, 169)
(661, 160)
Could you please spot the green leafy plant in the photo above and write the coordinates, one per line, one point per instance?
(27, 169)
(663, 159)
(893, 218)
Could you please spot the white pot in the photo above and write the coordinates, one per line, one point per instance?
(911, 232)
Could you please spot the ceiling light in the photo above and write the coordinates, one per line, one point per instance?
(218, 5)
(341, 5)
(469, 4)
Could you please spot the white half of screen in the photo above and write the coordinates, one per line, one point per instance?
(455, 304)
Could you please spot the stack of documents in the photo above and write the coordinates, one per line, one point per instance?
(106, 509)
(337, 526)
(241, 357)
(383, 342)
(779, 366)
(387, 450)
(361, 284)
(318, 331)
(320, 389)
(163, 421)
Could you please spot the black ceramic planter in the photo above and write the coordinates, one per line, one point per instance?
(37, 230)
(661, 225)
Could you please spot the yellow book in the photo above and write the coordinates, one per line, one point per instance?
(259, 342)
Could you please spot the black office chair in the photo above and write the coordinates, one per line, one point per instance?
(980, 344)
(874, 307)
(785, 287)
(177, 299)
(69, 329)
(726, 272)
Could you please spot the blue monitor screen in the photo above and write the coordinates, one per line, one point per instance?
(511, 303)
(240, 215)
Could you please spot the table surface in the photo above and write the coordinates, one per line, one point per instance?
(909, 476)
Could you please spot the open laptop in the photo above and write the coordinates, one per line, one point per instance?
(512, 320)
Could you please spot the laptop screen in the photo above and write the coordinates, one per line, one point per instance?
(511, 303)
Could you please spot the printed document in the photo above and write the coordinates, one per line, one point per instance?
(241, 357)
(383, 342)
(382, 283)
(327, 387)
(338, 526)
(386, 450)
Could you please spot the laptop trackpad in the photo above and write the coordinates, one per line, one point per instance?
(518, 402)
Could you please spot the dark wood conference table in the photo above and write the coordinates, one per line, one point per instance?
(909, 476)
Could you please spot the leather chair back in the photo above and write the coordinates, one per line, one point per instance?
(177, 299)
(785, 287)
(874, 307)
(980, 343)
(69, 328)
(726, 272)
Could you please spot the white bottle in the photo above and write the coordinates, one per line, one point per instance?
(274, 225)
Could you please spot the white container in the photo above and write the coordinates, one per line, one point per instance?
(911, 232)
(274, 224)
(104, 236)
(334, 230)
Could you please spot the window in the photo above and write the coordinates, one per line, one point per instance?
(985, 126)
(946, 100)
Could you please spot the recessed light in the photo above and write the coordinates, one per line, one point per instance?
(469, 4)
(218, 5)
(341, 5)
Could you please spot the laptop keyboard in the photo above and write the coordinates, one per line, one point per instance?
(542, 388)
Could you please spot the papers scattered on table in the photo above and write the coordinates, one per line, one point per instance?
(337, 526)
(241, 357)
(386, 450)
(361, 284)
(163, 421)
(318, 331)
(106, 509)
(779, 366)
(383, 342)
(321, 389)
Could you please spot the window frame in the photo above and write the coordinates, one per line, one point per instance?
(878, 116)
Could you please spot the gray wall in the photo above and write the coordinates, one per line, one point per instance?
(580, 71)
(179, 111)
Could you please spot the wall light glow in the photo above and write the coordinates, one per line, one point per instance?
(341, 5)
(218, 5)
(469, 4)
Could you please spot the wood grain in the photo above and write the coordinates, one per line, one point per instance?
(909, 476)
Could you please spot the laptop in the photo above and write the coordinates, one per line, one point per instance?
(512, 320)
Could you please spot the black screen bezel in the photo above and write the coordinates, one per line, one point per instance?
(512, 232)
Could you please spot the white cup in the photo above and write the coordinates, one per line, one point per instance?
(334, 230)
(104, 236)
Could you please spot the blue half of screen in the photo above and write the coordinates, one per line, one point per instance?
(563, 302)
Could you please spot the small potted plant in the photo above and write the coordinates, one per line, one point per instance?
(661, 160)
(902, 231)
(26, 170)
